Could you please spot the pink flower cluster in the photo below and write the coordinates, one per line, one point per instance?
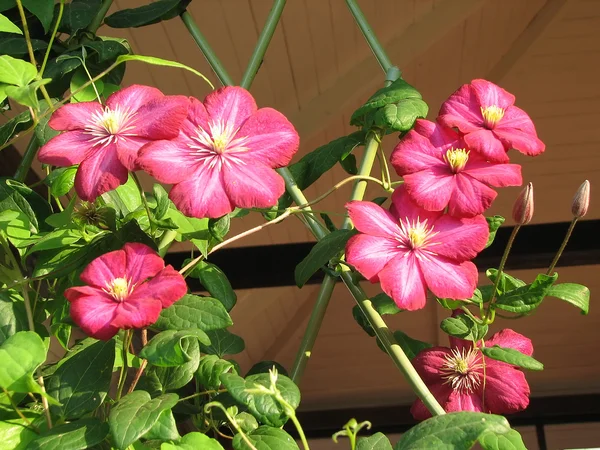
(435, 224)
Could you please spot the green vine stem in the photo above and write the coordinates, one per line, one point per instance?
(211, 405)
(28, 157)
(562, 246)
(61, 8)
(97, 20)
(208, 52)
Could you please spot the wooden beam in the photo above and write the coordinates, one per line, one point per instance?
(366, 76)
(551, 11)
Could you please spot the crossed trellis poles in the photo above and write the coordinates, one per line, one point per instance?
(382, 332)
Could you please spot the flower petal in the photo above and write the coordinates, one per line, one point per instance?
(404, 207)
(166, 287)
(511, 339)
(463, 401)
(488, 145)
(231, 105)
(462, 110)
(133, 97)
(449, 279)
(100, 172)
(65, 149)
(161, 118)
(516, 129)
(506, 389)
(470, 198)
(94, 314)
(370, 218)
(490, 94)
(252, 186)
(271, 139)
(415, 153)
(168, 161)
(429, 364)
(440, 391)
(136, 312)
(460, 239)
(441, 137)
(369, 254)
(104, 269)
(403, 280)
(202, 195)
(141, 262)
(498, 175)
(431, 188)
(74, 116)
(197, 117)
(128, 149)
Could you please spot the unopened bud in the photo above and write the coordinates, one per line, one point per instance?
(523, 209)
(581, 201)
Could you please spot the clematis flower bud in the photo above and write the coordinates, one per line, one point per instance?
(581, 201)
(523, 208)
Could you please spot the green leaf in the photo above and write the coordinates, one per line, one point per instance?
(44, 133)
(125, 199)
(172, 378)
(264, 406)
(61, 180)
(192, 311)
(160, 62)
(452, 431)
(266, 438)
(325, 249)
(6, 26)
(223, 342)
(412, 347)
(164, 429)
(311, 166)
(17, 46)
(193, 441)
(162, 201)
(210, 369)
(78, 14)
(512, 356)
(147, 14)
(463, 327)
(15, 431)
(507, 282)
(87, 94)
(401, 116)
(26, 95)
(216, 283)
(108, 48)
(508, 441)
(575, 294)
(265, 367)
(384, 304)
(493, 223)
(246, 422)
(349, 164)
(82, 382)
(16, 71)
(16, 227)
(526, 298)
(135, 414)
(42, 9)
(166, 350)
(55, 239)
(378, 441)
(13, 317)
(78, 435)
(14, 125)
(219, 228)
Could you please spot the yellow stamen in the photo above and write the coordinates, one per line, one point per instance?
(119, 289)
(463, 370)
(492, 115)
(457, 158)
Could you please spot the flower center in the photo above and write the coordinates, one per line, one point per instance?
(462, 370)
(491, 115)
(211, 146)
(108, 125)
(416, 234)
(119, 289)
(457, 159)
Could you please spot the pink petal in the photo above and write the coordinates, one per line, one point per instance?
(136, 312)
(271, 139)
(65, 149)
(506, 389)
(488, 145)
(133, 97)
(511, 339)
(369, 254)
(431, 188)
(415, 153)
(232, 105)
(197, 118)
(94, 314)
(460, 344)
(166, 288)
(104, 269)
(460, 239)
(463, 401)
(498, 175)
(440, 391)
(252, 186)
(370, 218)
(404, 207)
(161, 118)
(141, 262)
(516, 119)
(100, 172)
(128, 149)
(449, 279)
(202, 195)
(470, 198)
(440, 136)
(462, 110)
(403, 280)
(490, 94)
(526, 143)
(168, 161)
(429, 364)
(74, 116)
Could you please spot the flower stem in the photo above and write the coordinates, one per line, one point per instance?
(26, 33)
(127, 336)
(28, 157)
(210, 405)
(144, 201)
(18, 411)
(208, 52)
(562, 246)
(61, 8)
(263, 43)
(97, 20)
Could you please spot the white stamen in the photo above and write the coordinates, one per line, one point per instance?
(110, 125)
(462, 370)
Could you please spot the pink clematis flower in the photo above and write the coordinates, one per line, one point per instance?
(104, 140)
(126, 289)
(410, 250)
(458, 380)
(491, 124)
(440, 171)
(224, 156)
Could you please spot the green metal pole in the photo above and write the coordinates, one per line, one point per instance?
(208, 52)
(263, 43)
